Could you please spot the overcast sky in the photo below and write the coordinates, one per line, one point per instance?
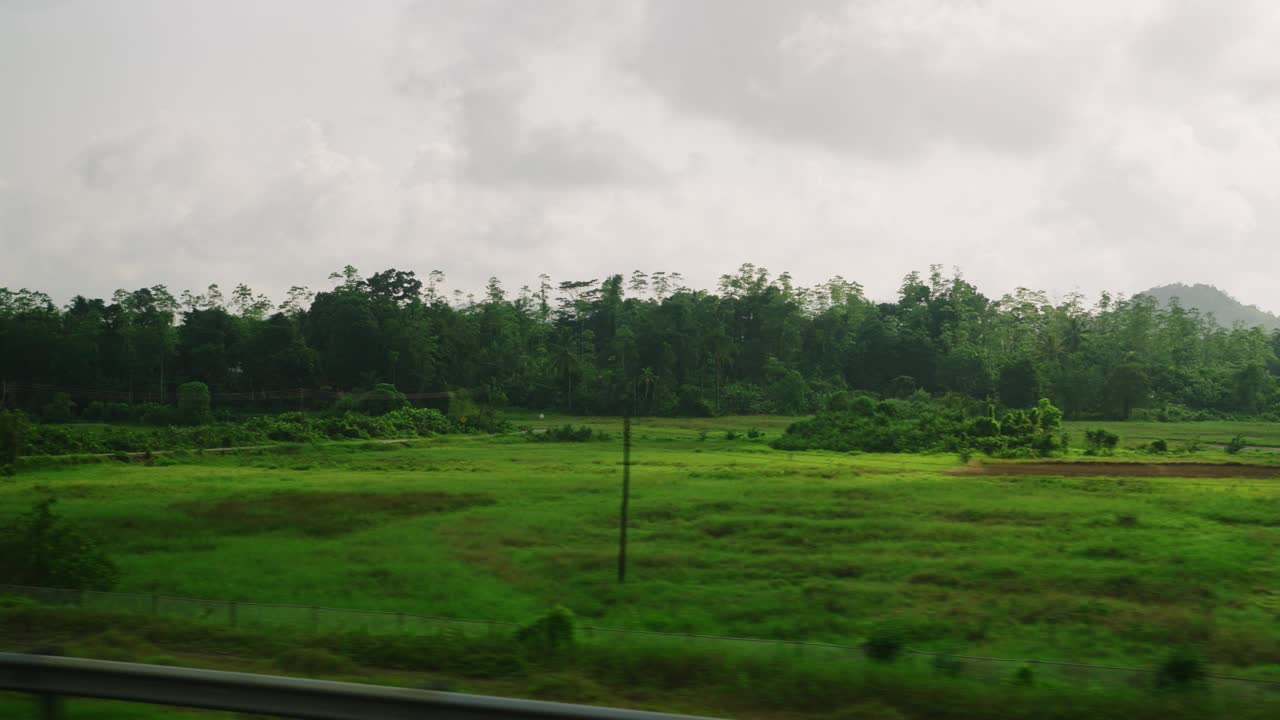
(1084, 145)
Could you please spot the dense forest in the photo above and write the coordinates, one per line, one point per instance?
(640, 343)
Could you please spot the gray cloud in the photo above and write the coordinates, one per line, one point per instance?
(842, 75)
(500, 151)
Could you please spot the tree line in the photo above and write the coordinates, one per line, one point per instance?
(646, 344)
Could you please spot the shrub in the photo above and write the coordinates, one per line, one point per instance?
(567, 433)
(8, 470)
(40, 548)
(1182, 668)
(754, 433)
(924, 424)
(1097, 441)
(193, 404)
(59, 410)
(731, 435)
(692, 403)
(1236, 444)
(947, 665)
(14, 430)
(382, 399)
(98, 411)
(548, 637)
(157, 414)
(1159, 445)
(885, 643)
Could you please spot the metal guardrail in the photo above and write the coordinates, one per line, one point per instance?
(51, 678)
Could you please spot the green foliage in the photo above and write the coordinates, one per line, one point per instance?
(758, 345)
(1159, 445)
(194, 404)
(406, 422)
(1182, 668)
(886, 643)
(14, 434)
(923, 424)
(567, 433)
(59, 410)
(157, 414)
(693, 404)
(1236, 444)
(461, 406)
(1019, 383)
(40, 548)
(382, 399)
(550, 636)
(99, 411)
(1100, 441)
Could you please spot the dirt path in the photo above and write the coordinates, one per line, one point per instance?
(1119, 469)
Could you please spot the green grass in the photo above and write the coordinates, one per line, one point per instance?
(1132, 434)
(727, 537)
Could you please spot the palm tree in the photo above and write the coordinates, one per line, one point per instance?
(648, 379)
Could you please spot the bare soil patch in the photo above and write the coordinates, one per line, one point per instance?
(1120, 469)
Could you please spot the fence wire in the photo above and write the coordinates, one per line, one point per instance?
(311, 618)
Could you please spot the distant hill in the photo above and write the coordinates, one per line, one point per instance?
(1209, 299)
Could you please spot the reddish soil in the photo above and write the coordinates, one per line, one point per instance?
(1121, 469)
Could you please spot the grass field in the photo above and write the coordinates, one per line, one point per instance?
(727, 537)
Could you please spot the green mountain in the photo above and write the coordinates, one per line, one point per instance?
(1209, 299)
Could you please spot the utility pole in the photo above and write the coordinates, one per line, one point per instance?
(626, 496)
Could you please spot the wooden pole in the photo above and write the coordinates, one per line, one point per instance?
(626, 497)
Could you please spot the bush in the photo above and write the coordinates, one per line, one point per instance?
(14, 430)
(59, 410)
(1097, 441)
(924, 424)
(1159, 445)
(567, 433)
(550, 636)
(40, 548)
(157, 414)
(1182, 668)
(885, 643)
(193, 404)
(692, 403)
(1236, 444)
(382, 399)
